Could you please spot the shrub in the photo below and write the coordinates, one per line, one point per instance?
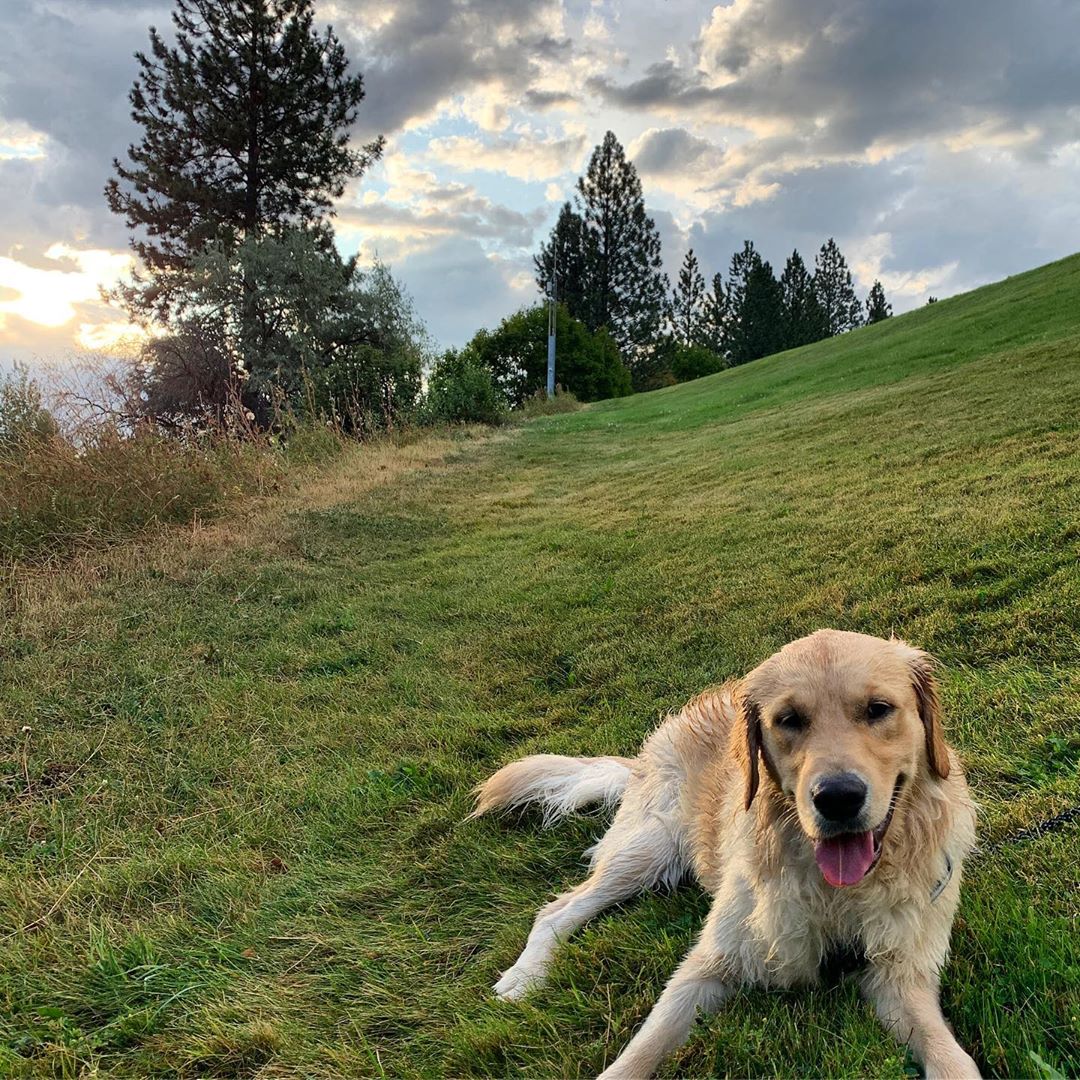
(694, 361)
(461, 390)
(23, 416)
(586, 363)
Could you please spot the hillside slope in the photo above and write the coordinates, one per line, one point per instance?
(236, 768)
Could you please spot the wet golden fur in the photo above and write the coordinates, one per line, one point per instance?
(722, 790)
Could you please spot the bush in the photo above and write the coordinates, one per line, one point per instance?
(461, 390)
(694, 361)
(23, 416)
(587, 364)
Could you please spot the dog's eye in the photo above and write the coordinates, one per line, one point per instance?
(791, 720)
(878, 710)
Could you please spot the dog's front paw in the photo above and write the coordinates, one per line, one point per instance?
(516, 982)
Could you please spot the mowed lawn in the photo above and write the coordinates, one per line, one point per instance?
(236, 760)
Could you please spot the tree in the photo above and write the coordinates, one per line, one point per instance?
(803, 318)
(279, 317)
(688, 304)
(567, 254)
(759, 327)
(189, 373)
(835, 292)
(245, 130)
(755, 315)
(715, 318)
(738, 269)
(462, 390)
(586, 363)
(877, 307)
(628, 288)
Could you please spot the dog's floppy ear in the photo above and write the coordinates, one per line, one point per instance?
(750, 719)
(926, 694)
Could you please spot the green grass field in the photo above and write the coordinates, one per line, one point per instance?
(236, 759)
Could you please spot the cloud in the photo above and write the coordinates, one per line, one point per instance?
(858, 78)
(524, 155)
(680, 163)
(418, 206)
(49, 297)
(548, 99)
(415, 55)
(19, 140)
(939, 143)
(475, 288)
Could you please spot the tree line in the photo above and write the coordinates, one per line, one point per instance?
(603, 262)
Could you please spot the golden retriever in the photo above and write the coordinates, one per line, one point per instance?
(817, 802)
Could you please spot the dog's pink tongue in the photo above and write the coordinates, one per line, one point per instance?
(845, 859)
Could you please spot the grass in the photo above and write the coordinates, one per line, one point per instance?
(236, 761)
(56, 497)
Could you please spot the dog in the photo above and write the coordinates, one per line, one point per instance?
(818, 803)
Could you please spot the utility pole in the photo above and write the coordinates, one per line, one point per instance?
(551, 327)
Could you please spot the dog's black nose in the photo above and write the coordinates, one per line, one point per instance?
(840, 797)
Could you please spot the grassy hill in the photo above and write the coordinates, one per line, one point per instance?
(235, 763)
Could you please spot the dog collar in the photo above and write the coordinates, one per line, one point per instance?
(939, 885)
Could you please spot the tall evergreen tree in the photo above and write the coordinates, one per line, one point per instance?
(627, 284)
(877, 307)
(567, 252)
(759, 328)
(835, 291)
(245, 130)
(803, 319)
(715, 318)
(738, 269)
(688, 303)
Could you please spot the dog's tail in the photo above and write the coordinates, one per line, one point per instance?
(559, 784)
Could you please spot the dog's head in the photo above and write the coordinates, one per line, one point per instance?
(842, 722)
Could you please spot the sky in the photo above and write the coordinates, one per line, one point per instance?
(939, 143)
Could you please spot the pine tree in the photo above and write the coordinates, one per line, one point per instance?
(245, 129)
(877, 307)
(803, 320)
(738, 269)
(716, 317)
(835, 291)
(688, 304)
(627, 286)
(759, 327)
(567, 252)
